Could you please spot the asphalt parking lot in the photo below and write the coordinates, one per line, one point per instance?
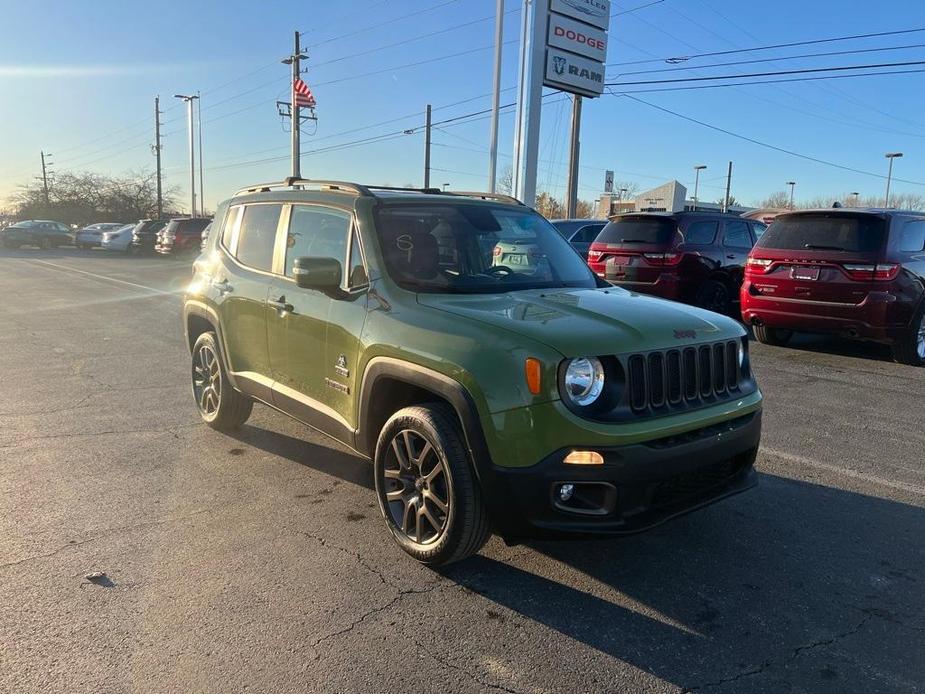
(260, 563)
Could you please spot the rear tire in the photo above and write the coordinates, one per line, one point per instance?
(910, 349)
(220, 405)
(778, 337)
(714, 296)
(424, 479)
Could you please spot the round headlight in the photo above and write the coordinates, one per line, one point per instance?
(584, 380)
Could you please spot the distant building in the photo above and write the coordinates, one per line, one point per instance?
(668, 197)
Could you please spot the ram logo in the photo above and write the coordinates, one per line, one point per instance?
(558, 64)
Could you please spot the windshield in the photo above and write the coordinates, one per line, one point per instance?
(861, 233)
(648, 230)
(472, 248)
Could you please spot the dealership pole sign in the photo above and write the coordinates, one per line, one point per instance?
(576, 46)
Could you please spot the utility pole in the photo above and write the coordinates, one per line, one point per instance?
(192, 149)
(295, 110)
(202, 197)
(697, 169)
(157, 154)
(792, 184)
(45, 177)
(855, 195)
(427, 127)
(728, 186)
(496, 100)
(571, 203)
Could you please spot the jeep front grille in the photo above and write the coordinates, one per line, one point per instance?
(684, 377)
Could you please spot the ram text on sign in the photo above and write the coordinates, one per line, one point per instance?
(596, 12)
(576, 37)
(572, 73)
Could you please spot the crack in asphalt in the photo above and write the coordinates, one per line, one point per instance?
(82, 434)
(767, 664)
(473, 676)
(105, 532)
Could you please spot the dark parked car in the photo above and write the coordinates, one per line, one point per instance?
(856, 273)
(694, 257)
(181, 236)
(580, 232)
(36, 232)
(144, 237)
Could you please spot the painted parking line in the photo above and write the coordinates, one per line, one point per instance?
(105, 277)
(916, 489)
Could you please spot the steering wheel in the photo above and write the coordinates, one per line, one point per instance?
(503, 270)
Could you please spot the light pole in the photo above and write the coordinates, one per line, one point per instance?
(697, 170)
(855, 195)
(891, 156)
(445, 186)
(792, 185)
(192, 150)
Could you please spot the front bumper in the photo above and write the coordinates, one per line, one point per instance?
(638, 487)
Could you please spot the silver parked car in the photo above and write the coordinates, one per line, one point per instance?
(92, 236)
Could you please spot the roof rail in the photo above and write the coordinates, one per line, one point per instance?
(499, 197)
(428, 191)
(293, 182)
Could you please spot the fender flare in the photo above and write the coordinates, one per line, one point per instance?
(193, 307)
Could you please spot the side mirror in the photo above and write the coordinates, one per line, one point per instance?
(323, 274)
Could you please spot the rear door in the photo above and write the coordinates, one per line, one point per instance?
(241, 284)
(737, 242)
(827, 257)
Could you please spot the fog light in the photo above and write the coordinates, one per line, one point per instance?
(566, 491)
(584, 458)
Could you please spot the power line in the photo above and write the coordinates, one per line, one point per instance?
(685, 58)
(765, 144)
(839, 68)
(409, 15)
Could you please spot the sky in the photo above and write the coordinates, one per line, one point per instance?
(78, 80)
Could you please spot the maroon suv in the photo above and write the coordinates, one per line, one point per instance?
(856, 273)
(694, 257)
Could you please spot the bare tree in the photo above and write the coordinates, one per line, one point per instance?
(506, 182)
(780, 199)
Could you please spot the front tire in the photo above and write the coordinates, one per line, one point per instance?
(910, 349)
(220, 405)
(426, 487)
(777, 337)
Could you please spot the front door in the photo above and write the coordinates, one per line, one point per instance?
(306, 326)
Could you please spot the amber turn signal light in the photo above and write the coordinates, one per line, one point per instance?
(533, 371)
(584, 458)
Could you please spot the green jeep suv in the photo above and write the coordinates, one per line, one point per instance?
(531, 399)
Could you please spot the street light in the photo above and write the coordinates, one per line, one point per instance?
(697, 170)
(792, 184)
(855, 195)
(192, 151)
(445, 186)
(891, 156)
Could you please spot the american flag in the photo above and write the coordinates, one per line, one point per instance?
(302, 95)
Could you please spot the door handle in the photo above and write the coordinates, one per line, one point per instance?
(731, 257)
(223, 287)
(281, 305)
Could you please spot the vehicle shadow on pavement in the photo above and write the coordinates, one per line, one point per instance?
(798, 581)
(833, 345)
(329, 459)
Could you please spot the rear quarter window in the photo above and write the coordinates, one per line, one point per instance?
(913, 237)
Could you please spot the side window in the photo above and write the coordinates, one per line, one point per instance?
(758, 229)
(357, 274)
(913, 238)
(231, 219)
(701, 233)
(318, 232)
(587, 234)
(258, 236)
(737, 236)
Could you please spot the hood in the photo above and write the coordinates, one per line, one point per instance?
(582, 322)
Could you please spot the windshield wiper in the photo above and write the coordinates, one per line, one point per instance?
(814, 247)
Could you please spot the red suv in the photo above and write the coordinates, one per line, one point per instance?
(181, 235)
(694, 257)
(857, 273)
